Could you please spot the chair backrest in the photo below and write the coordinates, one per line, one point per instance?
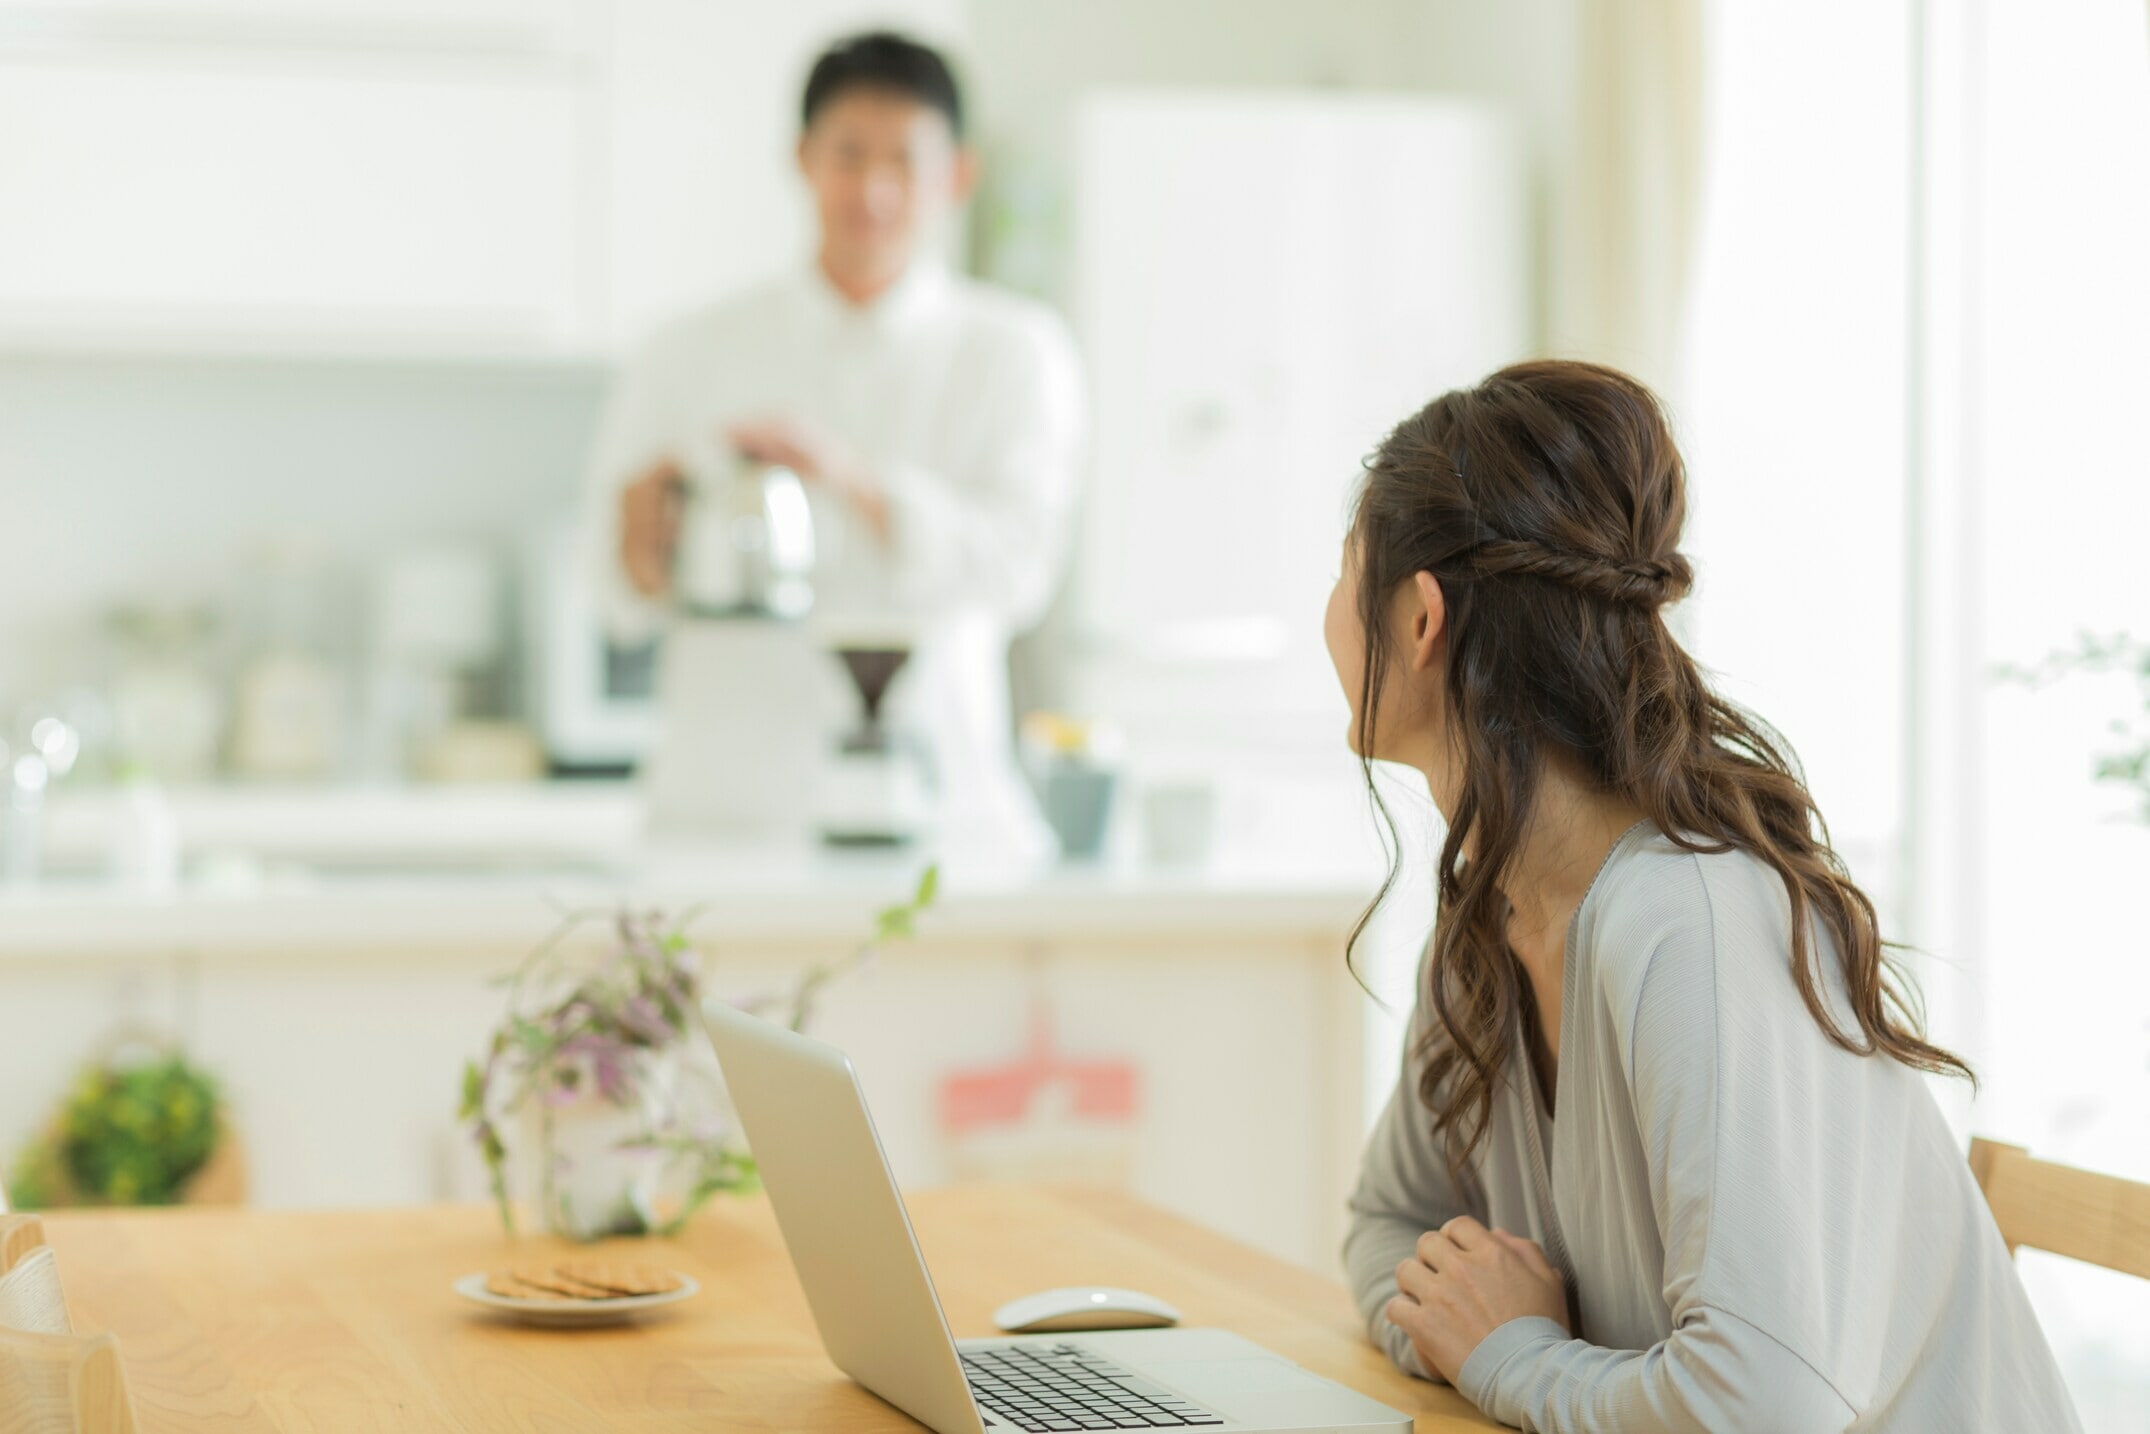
(19, 1235)
(63, 1384)
(52, 1382)
(31, 1299)
(2099, 1219)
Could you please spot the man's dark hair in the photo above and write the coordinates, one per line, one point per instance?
(883, 60)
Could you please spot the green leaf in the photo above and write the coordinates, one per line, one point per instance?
(929, 883)
(473, 1090)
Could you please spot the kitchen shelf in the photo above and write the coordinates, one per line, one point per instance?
(391, 352)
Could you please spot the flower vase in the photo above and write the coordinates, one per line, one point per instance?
(591, 1165)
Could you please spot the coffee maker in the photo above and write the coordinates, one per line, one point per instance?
(873, 790)
(745, 686)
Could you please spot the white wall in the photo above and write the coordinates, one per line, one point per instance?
(131, 478)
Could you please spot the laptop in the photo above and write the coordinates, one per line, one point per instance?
(873, 1301)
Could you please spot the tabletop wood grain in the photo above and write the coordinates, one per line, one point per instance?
(340, 1321)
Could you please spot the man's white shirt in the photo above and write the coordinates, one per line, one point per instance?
(964, 401)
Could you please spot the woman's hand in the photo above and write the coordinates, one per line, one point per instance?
(1467, 1281)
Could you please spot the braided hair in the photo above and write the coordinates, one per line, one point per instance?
(1638, 582)
(1547, 502)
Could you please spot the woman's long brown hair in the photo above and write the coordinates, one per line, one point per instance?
(1548, 502)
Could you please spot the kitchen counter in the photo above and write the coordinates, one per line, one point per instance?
(319, 871)
(330, 955)
(740, 894)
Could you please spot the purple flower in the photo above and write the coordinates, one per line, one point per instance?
(613, 1082)
(610, 1060)
(644, 1018)
(563, 1088)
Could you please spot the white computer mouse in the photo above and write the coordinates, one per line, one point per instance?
(1084, 1307)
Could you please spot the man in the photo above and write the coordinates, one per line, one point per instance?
(935, 421)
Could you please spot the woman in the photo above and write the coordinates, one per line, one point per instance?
(1662, 1157)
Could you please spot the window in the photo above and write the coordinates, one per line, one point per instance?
(1913, 418)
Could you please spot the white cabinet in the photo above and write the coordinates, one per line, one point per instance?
(488, 177)
(1265, 283)
(300, 175)
(337, 1012)
(228, 197)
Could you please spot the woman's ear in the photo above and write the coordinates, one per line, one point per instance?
(1429, 622)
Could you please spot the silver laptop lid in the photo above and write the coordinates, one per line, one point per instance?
(843, 1221)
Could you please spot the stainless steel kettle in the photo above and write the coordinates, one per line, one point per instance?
(746, 541)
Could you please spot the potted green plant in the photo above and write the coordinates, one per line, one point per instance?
(140, 1125)
(584, 1090)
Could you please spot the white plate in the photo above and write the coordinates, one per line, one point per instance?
(572, 1313)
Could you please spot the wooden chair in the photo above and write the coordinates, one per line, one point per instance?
(2100, 1219)
(19, 1235)
(31, 1299)
(63, 1384)
(56, 1383)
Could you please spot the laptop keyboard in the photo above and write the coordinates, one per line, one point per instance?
(1039, 1387)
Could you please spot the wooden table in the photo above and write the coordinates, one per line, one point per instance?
(343, 1321)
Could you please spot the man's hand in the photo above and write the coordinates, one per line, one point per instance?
(816, 459)
(649, 527)
(1467, 1281)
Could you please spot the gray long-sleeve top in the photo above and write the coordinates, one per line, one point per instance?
(1762, 1231)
